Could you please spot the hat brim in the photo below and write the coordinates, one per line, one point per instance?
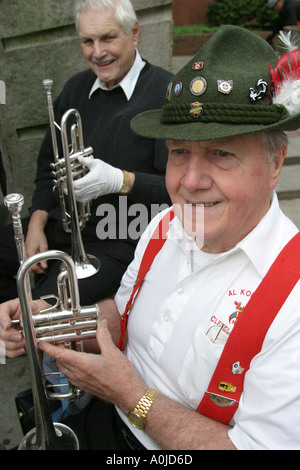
(148, 124)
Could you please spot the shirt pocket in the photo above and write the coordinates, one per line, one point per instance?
(198, 367)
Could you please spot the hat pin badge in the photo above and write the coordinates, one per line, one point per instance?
(261, 90)
(225, 86)
(198, 86)
(196, 109)
(198, 65)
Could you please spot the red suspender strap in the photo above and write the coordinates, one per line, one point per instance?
(155, 244)
(245, 341)
(222, 397)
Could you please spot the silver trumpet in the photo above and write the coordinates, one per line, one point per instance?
(65, 322)
(64, 170)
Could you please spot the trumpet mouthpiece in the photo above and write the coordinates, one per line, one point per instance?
(14, 202)
(48, 83)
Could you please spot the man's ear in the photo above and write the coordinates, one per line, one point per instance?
(135, 33)
(277, 166)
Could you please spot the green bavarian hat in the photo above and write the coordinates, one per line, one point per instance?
(225, 90)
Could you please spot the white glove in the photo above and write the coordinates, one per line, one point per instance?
(102, 179)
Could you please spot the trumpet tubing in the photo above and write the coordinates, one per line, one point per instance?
(64, 327)
(65, 321)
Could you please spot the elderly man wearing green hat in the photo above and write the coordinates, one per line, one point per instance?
(210, 333)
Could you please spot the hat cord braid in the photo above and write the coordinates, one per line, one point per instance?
(224, 113)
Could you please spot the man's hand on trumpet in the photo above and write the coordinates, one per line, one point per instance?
(108, 375)
(102, 179)
(10, 331)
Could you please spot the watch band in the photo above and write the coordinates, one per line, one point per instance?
(137, 417)
(126, 183)
(143, 406)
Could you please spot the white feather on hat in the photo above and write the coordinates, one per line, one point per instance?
(286, 76)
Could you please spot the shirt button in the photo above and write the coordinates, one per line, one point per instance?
(180, 291)
(166, 317)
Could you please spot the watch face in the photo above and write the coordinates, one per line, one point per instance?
(136, 420)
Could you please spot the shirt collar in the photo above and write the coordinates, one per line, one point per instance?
(267, 239)
(129, 81)
(261, 246)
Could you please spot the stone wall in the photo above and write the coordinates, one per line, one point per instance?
(38, 40)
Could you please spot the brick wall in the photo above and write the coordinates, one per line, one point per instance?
(189, 11)
(190, 44)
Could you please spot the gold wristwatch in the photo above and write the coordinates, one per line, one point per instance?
(126, 183)
(137, 417)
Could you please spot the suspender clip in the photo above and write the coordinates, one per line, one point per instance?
(221, 401)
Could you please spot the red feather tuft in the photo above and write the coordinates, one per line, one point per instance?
(287, 68)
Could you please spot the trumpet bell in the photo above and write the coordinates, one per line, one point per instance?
(89, 268)
(64, 439)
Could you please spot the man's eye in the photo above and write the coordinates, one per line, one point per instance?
(180, 151)
(222, 153)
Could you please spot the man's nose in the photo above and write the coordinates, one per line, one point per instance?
(98, 49)
(197, 174)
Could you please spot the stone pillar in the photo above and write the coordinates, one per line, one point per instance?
(38, 40)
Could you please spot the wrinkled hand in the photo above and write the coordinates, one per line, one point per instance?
(102, 179)
(109, 376)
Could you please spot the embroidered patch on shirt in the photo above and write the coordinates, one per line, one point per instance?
(221, 323)
(238, 309)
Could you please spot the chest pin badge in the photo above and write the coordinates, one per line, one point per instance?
(226, 387)
(237, 369)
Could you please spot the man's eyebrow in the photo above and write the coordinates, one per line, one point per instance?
(112, 32)
(214, 142)
(175, 142)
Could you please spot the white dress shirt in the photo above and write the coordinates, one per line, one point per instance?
(128, 82)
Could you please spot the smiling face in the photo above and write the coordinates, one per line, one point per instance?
(109, 52)
(227, 183)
